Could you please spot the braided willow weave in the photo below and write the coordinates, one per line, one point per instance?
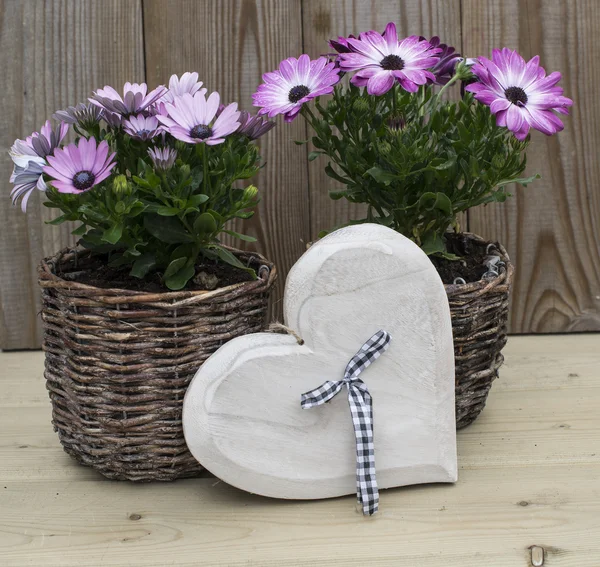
(118, 363)
(479, 313)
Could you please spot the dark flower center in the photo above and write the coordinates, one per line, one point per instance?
(83, 180)
(392, 63)
(516, 95)
(201, 132)
(298, 92)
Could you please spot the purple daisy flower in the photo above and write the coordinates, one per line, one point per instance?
(341, 44)
(447, 60)
(25, 180)
(29, 158)
(85, 115)
(381, 60)
(135, 99)
(44, 141)
(187, 83)
(142, 127)
(295, 82)
(253, 126)
(162, 158)
(78, 168)
(519, 93)
(190, 119)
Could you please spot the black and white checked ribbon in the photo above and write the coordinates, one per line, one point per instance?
(361, 408)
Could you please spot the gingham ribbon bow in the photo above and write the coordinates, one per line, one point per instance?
(361, 409)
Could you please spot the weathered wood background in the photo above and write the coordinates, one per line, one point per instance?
(55, 52)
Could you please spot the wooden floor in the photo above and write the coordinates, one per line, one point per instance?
(529, 476)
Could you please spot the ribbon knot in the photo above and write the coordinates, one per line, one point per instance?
(361, 410)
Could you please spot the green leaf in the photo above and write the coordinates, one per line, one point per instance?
(205, 224)
(167, 211)
(196, 200)
(218, 217)
(431, 201)
(243, 237)
(167, 229)
(381, 176)
(521, 180)
(181, 278)
(445, 165)
(141, 182)
(312, 156)
(120, 207)
(113, 234)
(443, 203)
(174, 267)
(58, 220)
(182, 251)
(232, 260)
(152, 178)
(334, 175)
(90, 212)
(300, 142)
(80, 230)
(336, 195)
(244, 214)
(432, 243)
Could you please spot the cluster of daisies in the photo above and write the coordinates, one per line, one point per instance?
(183, 112)
(519, 93)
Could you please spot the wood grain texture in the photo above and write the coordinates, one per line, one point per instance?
(551, 228)
(54, 53)
(242, 417)
(231, 44)
(524, 481)
(326, 20)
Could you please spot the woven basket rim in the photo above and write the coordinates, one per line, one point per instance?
(48, 278)
(504, 278)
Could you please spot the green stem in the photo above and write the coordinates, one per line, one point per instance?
(309, 116)
(453, 80)
(205, 177)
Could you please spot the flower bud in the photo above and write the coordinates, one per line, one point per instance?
(250, 193)
(360, 105)
(121, 186)
(185, 170)
(384, 148)
(396, 123)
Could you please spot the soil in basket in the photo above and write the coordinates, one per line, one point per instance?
(94, 271)
(471, 265)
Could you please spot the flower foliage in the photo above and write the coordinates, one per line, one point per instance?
(413, 157)
(151, 178)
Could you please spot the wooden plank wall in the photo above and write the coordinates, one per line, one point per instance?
(53, 53)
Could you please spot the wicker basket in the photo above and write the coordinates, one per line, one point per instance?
(118, 363)
(479, 313)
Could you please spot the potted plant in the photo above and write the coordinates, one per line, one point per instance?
(129, 315)
(417, 160)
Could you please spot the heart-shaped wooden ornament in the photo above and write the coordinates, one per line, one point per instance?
(242, 416)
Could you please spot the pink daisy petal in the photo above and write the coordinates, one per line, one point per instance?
(380, 83)
(64, 187)
(212, 105)
(391, 35)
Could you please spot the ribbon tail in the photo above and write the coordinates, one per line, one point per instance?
(361, 408)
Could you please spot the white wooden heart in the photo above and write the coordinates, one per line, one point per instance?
(242, 417)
